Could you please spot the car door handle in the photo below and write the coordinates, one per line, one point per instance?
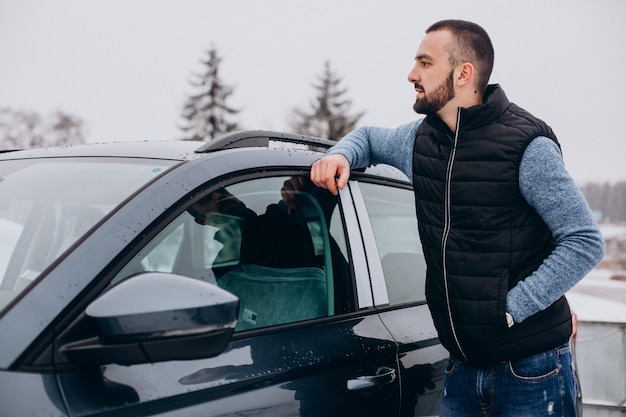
(383, 376)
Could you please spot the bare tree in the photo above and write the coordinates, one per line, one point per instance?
(608, 200)
(22, 129)
(206, 114)
(328, 116)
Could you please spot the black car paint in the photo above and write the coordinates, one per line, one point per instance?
(294, 370)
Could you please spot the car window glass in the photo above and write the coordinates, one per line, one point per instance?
(265, 240)
(48, 204)
(392, 214)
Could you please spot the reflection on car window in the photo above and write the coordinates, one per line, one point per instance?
(48, 204)
(392, 214)
(265, 240)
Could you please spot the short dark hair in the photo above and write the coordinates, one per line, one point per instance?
(471, 44)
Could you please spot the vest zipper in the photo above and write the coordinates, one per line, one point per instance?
(446, 232)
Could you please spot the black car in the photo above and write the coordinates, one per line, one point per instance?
(210, 279)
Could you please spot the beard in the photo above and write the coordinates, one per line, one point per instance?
(432, 102)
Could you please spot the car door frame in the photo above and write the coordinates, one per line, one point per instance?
(421, 357)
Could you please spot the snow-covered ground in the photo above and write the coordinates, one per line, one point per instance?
(613, 231)
(598, 297)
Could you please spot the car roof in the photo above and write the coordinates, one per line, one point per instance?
(176, 150)
(173, 150)
(179, 150)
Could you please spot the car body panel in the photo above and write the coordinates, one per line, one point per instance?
(376, 360)
(71, 274)
(30, 394)
(267, 372)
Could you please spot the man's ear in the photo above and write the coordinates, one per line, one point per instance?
(464, 74)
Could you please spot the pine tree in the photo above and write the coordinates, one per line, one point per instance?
(206, 114)
(329, 116)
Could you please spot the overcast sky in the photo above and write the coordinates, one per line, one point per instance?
(124, 66)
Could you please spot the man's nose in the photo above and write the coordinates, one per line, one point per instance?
(413, 76)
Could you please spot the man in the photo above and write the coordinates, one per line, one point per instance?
(504, 229)
(277, 238)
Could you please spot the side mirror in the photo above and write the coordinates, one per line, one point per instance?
(155, 317)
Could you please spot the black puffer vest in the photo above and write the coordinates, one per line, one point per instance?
(479, 235)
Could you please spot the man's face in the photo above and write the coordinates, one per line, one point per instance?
(432, 75)
(218, 202)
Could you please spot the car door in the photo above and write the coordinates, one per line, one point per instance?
(386, 212)
(337, 361)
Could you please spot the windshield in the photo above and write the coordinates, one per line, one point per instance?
(46, 205)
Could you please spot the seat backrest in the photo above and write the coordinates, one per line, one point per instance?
(271, 296)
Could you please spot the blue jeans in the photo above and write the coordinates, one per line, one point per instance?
(534, 386)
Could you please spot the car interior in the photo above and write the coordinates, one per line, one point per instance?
(278, 258)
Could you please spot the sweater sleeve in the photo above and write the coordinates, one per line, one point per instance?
(548, 188)
(367, 146)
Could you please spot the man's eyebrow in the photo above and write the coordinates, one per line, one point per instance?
(422, 57)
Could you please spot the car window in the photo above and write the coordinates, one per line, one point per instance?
(391, 212)
(266, 240)
(48, 204)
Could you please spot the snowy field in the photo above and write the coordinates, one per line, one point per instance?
(598, 297)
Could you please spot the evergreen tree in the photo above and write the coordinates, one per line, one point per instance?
(329, 116)
(206, 114)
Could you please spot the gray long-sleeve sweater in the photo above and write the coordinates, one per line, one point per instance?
(547, 187)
